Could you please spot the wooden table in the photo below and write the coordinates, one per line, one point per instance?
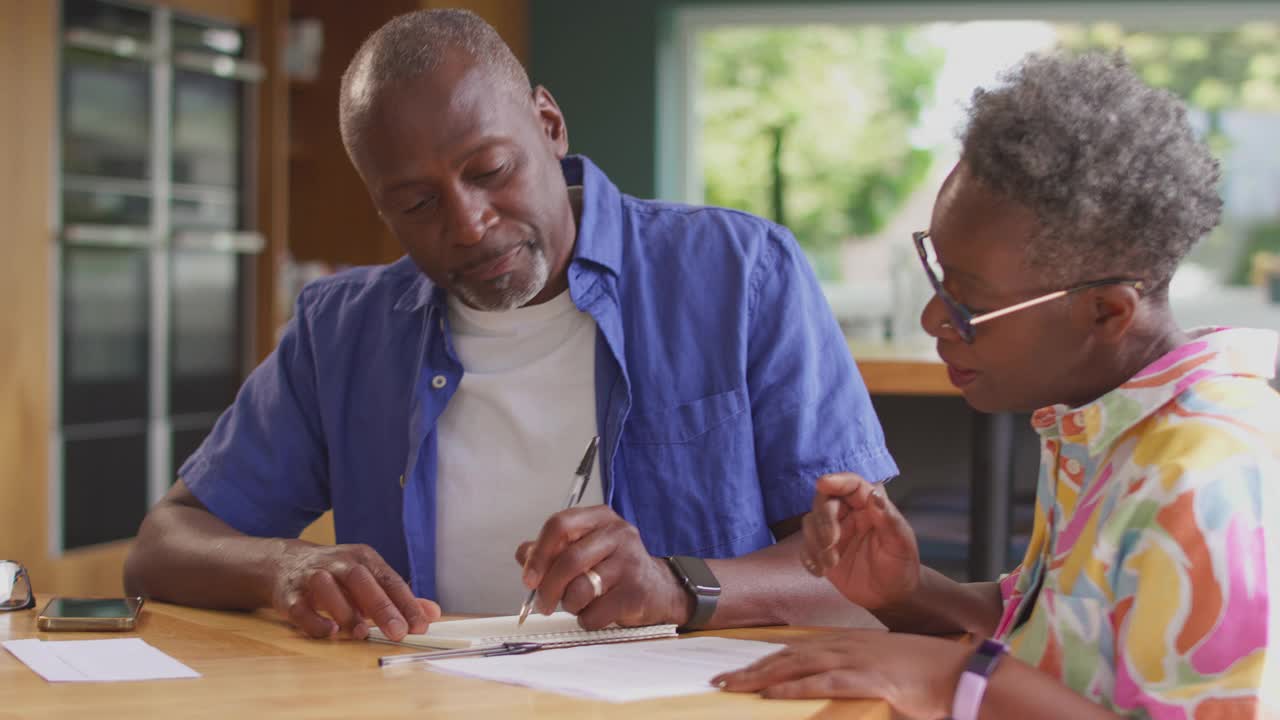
(255, 665)
(896, 370)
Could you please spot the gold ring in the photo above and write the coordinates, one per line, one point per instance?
(597, 585)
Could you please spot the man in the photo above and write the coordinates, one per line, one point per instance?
(440, 404)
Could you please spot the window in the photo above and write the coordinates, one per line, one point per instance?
(841, 123)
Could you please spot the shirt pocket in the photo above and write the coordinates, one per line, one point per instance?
(690, 477)
(685, 422)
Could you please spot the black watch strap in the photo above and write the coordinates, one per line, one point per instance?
(697, 580)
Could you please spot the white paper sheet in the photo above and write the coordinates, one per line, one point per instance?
(97, 660)
(618, 673)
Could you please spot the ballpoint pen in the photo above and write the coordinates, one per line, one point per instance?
(576, 488)
(519, 648)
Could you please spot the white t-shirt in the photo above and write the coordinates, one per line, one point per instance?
(509, 441)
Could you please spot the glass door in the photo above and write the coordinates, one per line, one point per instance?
(155, 262)
(210, 267)
(106, 94)
(105, 338)
(107, 240)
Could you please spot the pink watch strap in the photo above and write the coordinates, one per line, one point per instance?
(973, 681)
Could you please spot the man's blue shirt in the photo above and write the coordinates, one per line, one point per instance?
(724, 388)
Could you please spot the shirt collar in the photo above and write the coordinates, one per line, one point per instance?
(418, 288)
(599, 240)
(1211, 352)
(600, 227)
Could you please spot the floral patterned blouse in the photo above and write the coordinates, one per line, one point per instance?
(1152, 581)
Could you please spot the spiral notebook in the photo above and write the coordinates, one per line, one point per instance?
(559, 629)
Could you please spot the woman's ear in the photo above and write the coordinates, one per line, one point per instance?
(1112, 310)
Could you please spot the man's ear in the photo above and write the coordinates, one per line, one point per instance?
(553, 125)
(1112, 311)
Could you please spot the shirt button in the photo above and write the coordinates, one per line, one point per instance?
(439, 381)
(1073, 466)
(401, 481)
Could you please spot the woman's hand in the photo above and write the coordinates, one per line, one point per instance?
(916, 674)
(857, 539)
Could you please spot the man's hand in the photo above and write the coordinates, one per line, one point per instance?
(858, 540)
(635, 587)
(346, 583)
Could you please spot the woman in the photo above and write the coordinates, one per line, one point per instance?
(1152, 582)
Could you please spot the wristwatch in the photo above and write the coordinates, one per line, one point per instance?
(973, 681)
(697, 580)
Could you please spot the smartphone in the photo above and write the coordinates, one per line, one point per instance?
(90, 614)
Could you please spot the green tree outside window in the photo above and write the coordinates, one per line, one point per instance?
(810, 126)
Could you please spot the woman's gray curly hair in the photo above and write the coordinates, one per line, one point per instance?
(1110, 166)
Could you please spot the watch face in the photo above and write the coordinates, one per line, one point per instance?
(699, 576)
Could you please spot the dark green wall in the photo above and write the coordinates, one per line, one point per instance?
(597, 57)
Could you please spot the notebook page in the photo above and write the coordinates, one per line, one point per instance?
(555, 628)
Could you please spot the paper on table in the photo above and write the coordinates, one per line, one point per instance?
(97, 660)
(618, 673)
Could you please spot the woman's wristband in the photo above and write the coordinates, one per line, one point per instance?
(973, 681)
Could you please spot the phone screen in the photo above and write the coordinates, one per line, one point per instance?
(61, 607)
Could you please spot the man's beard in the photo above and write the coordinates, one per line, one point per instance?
(508, 295)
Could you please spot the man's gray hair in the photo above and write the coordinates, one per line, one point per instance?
(411, 45)
(1110, 166)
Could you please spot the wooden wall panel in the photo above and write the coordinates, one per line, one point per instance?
(27, 83)
(272, 200)
(240, 12)
(331, 218)
(95, 571)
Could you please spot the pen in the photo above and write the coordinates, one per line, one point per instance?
(490, 651)
(576, 488)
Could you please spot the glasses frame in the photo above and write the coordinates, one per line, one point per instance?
(963, 319)
(30, 602)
